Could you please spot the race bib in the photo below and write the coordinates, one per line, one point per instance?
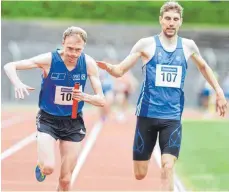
(63, 95)
(168, 76)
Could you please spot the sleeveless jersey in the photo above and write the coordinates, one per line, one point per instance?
(56, 89)
(162, 93)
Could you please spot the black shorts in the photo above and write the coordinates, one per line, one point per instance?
(61, 127)
(147, 129)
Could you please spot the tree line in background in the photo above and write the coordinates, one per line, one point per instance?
(206, 12)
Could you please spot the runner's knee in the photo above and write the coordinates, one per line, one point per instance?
(167, 166)
(140, 171)
(139, 175)
(65, 181)
(168, 161)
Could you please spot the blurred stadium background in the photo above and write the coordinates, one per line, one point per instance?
(31, 28)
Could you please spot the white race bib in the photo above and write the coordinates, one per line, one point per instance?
(63, 95)
(168, 76)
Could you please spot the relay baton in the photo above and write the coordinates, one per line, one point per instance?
(75, 103)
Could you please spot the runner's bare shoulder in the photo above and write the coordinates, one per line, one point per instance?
(147, 42)
(89, 60)
(91, 65)
(43, 60)
(189, 47)
(188, 43)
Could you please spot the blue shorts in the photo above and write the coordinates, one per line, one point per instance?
(147, 129)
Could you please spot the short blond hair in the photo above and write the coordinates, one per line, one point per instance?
(75, 30)
(171, 5)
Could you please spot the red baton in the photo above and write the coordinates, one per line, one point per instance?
(75, 103)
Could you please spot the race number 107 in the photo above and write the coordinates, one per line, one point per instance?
(169, 77)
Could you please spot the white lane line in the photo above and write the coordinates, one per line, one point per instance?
(12, 121)
(84, 153)
(178, 186)
(86, 150)
(18, 146)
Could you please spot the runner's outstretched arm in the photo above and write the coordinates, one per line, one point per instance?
(221, 103)
(40, 61)
(121, 68)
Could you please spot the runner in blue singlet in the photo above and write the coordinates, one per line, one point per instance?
(161, 101)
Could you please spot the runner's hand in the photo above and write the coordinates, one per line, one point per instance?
(20, 89)
(221, 103)
(78, 95)
(102, 65)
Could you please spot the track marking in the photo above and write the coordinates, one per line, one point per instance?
(84, 153)
(18, 146)
(178, 186)
(86, 150)
(12, 121)
(89, 144)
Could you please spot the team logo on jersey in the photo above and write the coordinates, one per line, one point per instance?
(76, 77)
(58, 76)
(159, 54)
(83, 76)
(178, 58)
(82, 132)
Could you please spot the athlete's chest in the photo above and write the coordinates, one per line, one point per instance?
(175, 58)
(60, 75)
(167, 69)
(64, 82)
(65, 76)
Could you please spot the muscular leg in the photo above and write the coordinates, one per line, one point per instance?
(144, 142)
(69, 152)
(170, 140)
(46, 152)
(140, 169)
(167, 172)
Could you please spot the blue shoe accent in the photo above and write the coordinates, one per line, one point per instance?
(39, 176)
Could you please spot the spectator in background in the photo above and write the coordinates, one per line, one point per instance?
(124, 87)
(107, 82)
